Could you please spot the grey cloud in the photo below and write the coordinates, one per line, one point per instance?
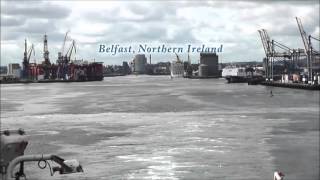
(42, 10)
(7, 36)
(152, 22)
(31, 29)
(278, 1)
(154, 13)
(182, 35)
(12, 21)
(145, 13)
(130, 32)
(38, 27)
(20, 19)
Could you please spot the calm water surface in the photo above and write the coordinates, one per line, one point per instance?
(151, 127)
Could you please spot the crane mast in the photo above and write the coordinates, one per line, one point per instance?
(308, 49)
(303, 35)
(46, 64)
(64, 42)
(71, 49)
(31, 51)
(271, 48)
(61, 53)
(25, 62)
(45, 49)
(178, 59)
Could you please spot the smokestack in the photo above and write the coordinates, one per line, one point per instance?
(150, 58)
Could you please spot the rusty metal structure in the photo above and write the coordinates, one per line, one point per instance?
(64, 70)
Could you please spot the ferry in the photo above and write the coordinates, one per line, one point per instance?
(235, 74)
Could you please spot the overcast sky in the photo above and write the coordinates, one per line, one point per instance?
(231, 23)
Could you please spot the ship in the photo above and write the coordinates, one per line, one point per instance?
(234, 74)
(249, 75)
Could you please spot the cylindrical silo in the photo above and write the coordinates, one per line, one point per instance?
(140, 61)
(203, 70)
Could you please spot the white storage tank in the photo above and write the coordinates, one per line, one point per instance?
(139, 63)
(203, 70)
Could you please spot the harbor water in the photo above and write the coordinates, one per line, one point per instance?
(154, 127)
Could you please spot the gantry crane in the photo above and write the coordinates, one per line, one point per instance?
(64, 41)
(26, 59)
(71, 49)
(266, 43)
(309, 50)
(63, 59)
(288, 56)
(272, 53)
(60, 54)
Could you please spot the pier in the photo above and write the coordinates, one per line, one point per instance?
(292, 85)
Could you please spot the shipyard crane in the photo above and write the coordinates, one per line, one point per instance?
(25, 62)
(64, 41)
(265, 39)
(60, 54)
(71, 49)
(309, 50)
(270, 47)
(287, 53)
(26, 58)
(31, 51)
(306, 39)
(62, 60)
(178, 59)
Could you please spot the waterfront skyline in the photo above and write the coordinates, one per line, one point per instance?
(231, 23)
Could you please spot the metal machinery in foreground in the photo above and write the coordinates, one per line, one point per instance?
(12, 147)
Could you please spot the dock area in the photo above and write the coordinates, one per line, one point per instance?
(42, 81)
(291, 85)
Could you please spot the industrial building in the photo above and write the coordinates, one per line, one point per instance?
(14, 69)
(177, 68)
(209, 65)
